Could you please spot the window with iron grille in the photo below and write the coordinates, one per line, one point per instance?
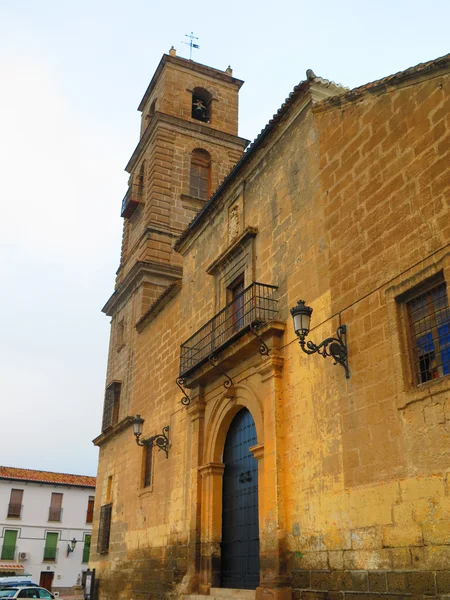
(429, 333)
(9, 544)
(86, 548)
(51, 546)
(55, 510)
(90, 510)
(111, 406)
(104, 529)
(148, 459)
(15, 504)
(200, 175)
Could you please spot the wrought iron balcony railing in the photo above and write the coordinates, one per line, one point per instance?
(14, 510)
(8, 552)
(131, 200)
(50, 554)
(54, 513)
(256, 304)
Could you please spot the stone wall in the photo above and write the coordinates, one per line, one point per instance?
(347, 205)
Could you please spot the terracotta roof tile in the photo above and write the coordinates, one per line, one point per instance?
(46, 477)
(355, 93)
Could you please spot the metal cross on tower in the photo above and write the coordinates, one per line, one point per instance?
(191, 43)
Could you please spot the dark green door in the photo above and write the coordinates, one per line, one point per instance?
(240, 527)
(9, 544)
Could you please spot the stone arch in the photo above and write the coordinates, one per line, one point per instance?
(223, 413)
(201, 104)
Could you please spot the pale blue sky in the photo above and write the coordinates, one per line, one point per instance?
(73, 73)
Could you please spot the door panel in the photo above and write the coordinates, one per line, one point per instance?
(240, 527)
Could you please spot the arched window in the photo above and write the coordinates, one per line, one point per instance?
(151, 111)
(201, 105)
(200, 175)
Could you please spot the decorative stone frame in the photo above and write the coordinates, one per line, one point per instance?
(187, 201)
(211, 472)
(237, 259)
(407, 391)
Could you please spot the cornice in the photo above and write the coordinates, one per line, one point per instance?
(112, 431)
(170, 292)
(248, 233)
(131, 281)
(178, 123)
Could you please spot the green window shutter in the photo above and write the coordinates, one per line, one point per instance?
(51, 543)
(9, 544)
(87, 548)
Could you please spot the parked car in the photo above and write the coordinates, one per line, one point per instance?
(26, 591)
(16, 581)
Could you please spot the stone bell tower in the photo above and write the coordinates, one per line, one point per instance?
(188, 144)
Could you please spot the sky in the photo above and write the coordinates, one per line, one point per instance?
(72, 75)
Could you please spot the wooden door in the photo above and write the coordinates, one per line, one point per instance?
(46, 580)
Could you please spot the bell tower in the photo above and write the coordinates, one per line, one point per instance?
(188, 144)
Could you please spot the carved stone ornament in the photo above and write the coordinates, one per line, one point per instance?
(233, 222)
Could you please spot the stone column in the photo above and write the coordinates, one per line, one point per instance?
(211, 526)
(275, 582)
(196, 411)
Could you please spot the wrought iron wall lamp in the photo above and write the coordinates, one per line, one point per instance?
(336, 347)
(71, 546)
(160, 440)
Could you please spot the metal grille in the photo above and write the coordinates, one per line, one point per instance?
(55, 513)
(429, 329)
(104, 529)
(8, 552)
(111, 405)
(14, 510)
(255, 303)
(131, 200)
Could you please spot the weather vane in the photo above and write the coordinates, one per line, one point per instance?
(191, 43)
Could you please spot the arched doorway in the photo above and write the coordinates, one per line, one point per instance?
(240, 527)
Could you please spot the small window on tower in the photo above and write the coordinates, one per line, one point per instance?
(201, 105)
(200, 175)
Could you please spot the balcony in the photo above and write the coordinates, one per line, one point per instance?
(255, 303)
(8, 552)
(55, 513)
(50, 554)
(132, 199)
(14, 511)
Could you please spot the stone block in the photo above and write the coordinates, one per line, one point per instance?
(402, 535)
(396, 582)
(436, 532)
(443, 582)
(301, 579)
(366, 538)
(420, 583)
(377, 582)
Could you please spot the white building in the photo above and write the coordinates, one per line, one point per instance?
(40, 514)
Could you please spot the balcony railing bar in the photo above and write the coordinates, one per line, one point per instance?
(50, 554)
(54, 514)
(132, 198)
(255, 303)
(8, 552)
(14, 510)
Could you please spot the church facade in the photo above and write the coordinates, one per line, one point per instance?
(281, 325)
